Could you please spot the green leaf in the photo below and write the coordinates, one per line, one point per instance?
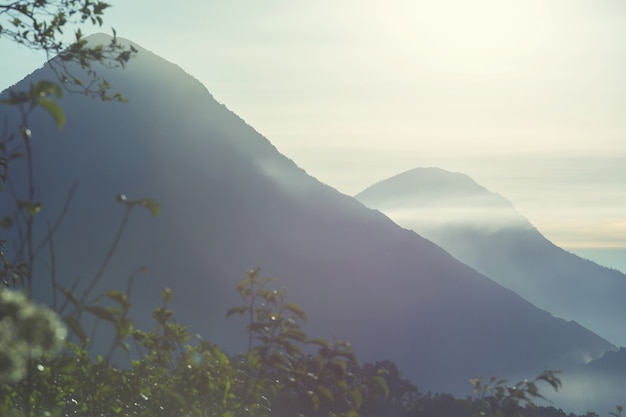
(45, 88)
(123, 327)
(125, 347)
(120, 297)
(296, 334)
(167, 294)
(152, 205)
(314, 399)
(338, 368)
(6, 221)
(75, 327)
(325, 392)
(54, 110)
(293, 350)
(101, 313)
(236, 310)
(174, 397)
(296, 310)
(357, 398)
(382, 384)
(31, 208)
(322, 342)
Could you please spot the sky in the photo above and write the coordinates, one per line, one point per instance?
(526, 97)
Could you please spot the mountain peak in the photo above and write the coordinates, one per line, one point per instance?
(436, 196)
(428, 182)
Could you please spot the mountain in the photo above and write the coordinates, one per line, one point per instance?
(598, 386)
(483, 230)
(231, 202)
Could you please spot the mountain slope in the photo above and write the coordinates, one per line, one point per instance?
(483, 230)
(230, 202)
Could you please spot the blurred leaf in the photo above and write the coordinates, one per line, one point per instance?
(297, 334)
(325, 392)
(322, 342)
(75, 327)
(314, 399)
(152, 205)
(357, 398)
(6, 221)
(54, 110)
(296, 310)
(338, 368)
(382, 384)
(236, 310)
(30, 207)
(123, 327)
(45, 88)
(167, 294)
(120, 297)
(101, 313)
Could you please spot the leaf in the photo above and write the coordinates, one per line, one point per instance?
(75, 327)
(296, 310)
(325, 392)
(125, 347)
(322, 342)
(101, 313)
(120, 297)
(6, 221)
(296, 334)
(167, 295)
(54, 110)
(123, 327)
(236, 310)
(314, 399)
(293, 350)
(31, 208)
(45, 88)
(551, 378)
(174, 397)
(357, 398)
(380, 381)
(338, 368)
(152, 205)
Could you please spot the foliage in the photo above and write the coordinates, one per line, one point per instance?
(27, 331)
(618, 411)
(497, 398)
(41, 25)
(299, 376)
(175, 374)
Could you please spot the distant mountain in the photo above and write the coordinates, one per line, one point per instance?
(230, 202)
(483, 230)
(598, 386)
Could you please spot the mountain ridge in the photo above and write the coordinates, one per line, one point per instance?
(505, 246)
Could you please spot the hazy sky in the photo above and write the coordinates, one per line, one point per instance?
(527, 97)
